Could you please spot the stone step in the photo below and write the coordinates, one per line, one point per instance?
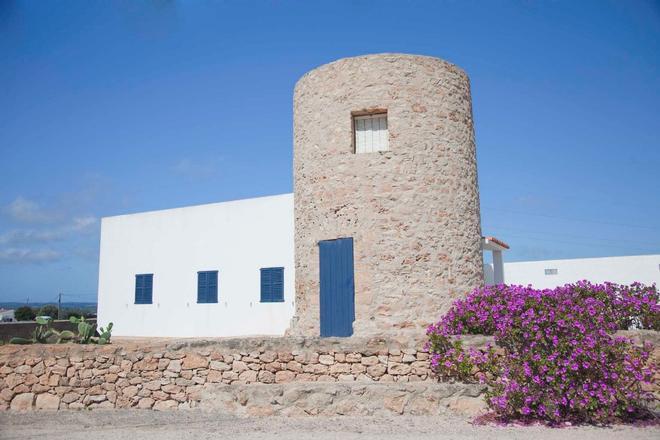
(335, 399)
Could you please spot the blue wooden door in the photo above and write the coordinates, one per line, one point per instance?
(337, 288)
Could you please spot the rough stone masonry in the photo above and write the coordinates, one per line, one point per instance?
(412, 211)
(242, 376)
(174, 375)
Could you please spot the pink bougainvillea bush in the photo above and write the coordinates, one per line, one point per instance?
(557, 358)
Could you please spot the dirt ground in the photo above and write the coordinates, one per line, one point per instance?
(197, 424)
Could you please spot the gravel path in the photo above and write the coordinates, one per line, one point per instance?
(194, 424)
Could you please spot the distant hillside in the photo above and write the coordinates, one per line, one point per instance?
(65, 305)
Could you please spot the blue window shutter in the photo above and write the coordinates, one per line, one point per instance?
(207, 287)
(138, 289)
(201, 287)
(265, 285)
(148, 288)
(143, 288)
(277, 284)
(272, 284)
(212, 287)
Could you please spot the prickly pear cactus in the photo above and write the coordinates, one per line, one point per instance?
(85, 329)
(105, 334)
(42, 333)
(20, 341)
(65, 336)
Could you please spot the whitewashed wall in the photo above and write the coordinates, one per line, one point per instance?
(236, 238)
(622, 270)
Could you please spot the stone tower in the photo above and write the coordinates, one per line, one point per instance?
(408, 197)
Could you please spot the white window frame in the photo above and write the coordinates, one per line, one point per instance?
(368, 139)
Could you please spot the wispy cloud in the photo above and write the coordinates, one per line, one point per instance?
(23, 210)
(22, 255)
(24, 245)
(84, 223)
(20, 236)
(24, 236)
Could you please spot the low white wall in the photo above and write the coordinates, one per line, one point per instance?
(235, 238)
(621, 270)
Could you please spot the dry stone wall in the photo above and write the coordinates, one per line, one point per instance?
(243, 376)
(413, 211)
(176, 375)
(341, 398)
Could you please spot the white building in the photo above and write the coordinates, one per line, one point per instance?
(214, 270)
(494, 272)
(208, 270)
(552, 273)
(6, 315)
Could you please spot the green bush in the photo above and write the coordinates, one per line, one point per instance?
(48, 310)
(77, 313)
(24, 313)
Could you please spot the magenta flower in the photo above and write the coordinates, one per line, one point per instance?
(558, 359)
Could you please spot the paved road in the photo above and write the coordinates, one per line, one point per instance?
(195, 424)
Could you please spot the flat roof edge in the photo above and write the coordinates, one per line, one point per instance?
(582, 258)
(225, 202)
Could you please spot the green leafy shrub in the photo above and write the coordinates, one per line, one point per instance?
(48, 310)
(77, 313)
(24, 313)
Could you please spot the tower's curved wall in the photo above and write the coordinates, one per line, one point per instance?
(413, 211)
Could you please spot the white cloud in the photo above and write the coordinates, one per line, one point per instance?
(18, 236)
(19, 255)
(84, 223)
(47, 230)
(26, 211)
(77, 225)
(21, 246)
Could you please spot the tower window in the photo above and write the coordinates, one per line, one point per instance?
(551, 271)
(371, 133)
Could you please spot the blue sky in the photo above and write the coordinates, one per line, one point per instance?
(112, 107)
